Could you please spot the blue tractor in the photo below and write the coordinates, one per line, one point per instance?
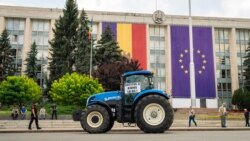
(136, 102)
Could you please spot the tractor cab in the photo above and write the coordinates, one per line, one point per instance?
(134, 83)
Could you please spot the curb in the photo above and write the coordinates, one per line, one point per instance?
(124, 130)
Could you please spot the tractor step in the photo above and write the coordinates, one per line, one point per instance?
(128, 124)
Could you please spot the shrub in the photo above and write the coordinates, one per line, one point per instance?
(74, 89)
(241, 99)
(19, 89)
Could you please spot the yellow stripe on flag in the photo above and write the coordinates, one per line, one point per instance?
(124, 38)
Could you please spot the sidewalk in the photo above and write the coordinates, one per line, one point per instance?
(21, 126)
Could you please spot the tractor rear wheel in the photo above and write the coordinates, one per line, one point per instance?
(96, 119)
(153, 114)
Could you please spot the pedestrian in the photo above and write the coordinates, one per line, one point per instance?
(223, 114)
(34, 116)
(192, 116)
(246, 115)
(42, 113)
(54, 111)
(14, 113)
(23, 112)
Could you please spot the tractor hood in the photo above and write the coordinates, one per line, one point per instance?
(105, 96)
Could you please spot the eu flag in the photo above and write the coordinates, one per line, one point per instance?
(203, 60)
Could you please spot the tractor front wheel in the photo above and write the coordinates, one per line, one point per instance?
(153, 114)
(96, 119)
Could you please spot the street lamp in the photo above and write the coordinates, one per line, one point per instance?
(191, 65)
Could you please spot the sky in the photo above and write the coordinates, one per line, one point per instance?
(204, 8)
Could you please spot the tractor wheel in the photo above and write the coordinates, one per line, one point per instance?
(111, 124)
(95, 119)
(154, 114)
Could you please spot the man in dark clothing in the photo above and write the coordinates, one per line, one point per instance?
(246, 114)
(34, 116)
(54, 112)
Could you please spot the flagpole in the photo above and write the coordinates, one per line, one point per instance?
(191, 65)
(90, 64)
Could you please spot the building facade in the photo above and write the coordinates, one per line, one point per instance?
(160, 43)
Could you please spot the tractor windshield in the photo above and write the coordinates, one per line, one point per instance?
(138, 83)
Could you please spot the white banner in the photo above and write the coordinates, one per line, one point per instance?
(132, 87)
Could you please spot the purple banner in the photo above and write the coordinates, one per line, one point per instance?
(203, 60)
(180, 61)
(113, 28)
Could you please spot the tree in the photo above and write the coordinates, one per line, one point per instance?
(64, 41)
(19, 89)
(31, 60)
(6, 56)
(107, 50)
(82, 52)
(247, 68)
(109, 75)
(241, 99)
(74, 89)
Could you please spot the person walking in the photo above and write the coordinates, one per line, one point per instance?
(23, 112)
(246, 115)
(192, 117)
(34, 116)
(54, 111)
(223, 115)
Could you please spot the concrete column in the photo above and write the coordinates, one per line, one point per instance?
(99, 30)
(2, 24)
(168, 61)
(51, 36)
(52, 26)
(26, 42)
(213, 103)
(233, 59)
(214, 56)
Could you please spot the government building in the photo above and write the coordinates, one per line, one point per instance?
(159, 41)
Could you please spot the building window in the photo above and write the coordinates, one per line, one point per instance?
(223, 72)
(242, 39)
(40, 35)
(157, 55)
(15, 27)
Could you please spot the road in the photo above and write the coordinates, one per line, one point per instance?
(130, 136)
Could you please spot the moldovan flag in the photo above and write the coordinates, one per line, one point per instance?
(131, 39)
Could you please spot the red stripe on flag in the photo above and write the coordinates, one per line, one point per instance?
(139, 44)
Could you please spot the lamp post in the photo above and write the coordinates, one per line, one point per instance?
(191, 65)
